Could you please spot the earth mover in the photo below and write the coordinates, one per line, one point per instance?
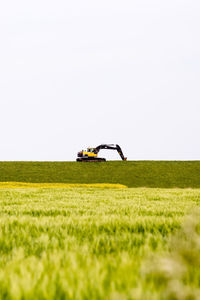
(91, 154)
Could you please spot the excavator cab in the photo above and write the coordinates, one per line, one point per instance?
(86, 155)
(91, 150)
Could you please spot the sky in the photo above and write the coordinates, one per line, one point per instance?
(80, 73)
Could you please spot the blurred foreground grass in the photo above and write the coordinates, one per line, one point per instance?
(89, 243)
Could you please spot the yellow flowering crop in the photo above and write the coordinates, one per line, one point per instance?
(14, 185)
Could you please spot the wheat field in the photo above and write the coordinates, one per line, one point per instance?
(99, 243)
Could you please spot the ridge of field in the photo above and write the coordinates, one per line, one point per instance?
(163, 174)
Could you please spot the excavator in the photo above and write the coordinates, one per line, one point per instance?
(91, 154)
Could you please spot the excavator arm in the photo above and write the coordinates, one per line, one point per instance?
(111, 147)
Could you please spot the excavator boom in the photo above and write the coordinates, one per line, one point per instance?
(111, 147)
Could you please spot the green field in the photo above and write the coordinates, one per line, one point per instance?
(86, 242)
(163, 174)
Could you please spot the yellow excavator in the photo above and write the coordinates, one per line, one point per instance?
(91, 154)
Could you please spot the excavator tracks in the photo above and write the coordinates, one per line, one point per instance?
(90, 159)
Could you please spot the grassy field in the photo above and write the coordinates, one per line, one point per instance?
(73, 230)
(97, 243)
(163, 174)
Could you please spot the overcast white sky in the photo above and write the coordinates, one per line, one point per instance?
(80, 73)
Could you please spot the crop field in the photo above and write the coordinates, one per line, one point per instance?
(98, 242)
